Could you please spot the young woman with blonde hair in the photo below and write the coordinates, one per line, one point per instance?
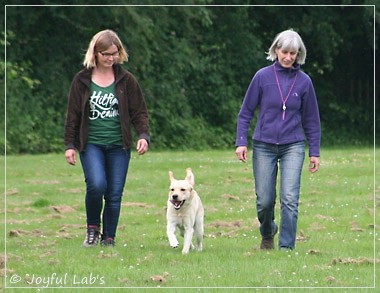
(104, 102)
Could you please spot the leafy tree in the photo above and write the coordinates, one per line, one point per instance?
(194, 64)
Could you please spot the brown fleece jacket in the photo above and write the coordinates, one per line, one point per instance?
(132, 109)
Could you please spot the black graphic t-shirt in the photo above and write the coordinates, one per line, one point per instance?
(104, 125)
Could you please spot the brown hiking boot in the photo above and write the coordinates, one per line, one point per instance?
(268, 242)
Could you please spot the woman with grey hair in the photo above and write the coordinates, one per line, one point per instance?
(288, 114)
(104, 102)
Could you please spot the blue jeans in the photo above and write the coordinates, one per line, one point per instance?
(105, 169)
(266, 160)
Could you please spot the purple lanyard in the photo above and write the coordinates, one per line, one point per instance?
(282, 97)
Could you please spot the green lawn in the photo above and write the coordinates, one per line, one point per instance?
(44, 221)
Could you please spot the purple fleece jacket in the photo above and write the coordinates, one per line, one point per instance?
(301, 117)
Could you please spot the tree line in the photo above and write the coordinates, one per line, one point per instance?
(194, 64)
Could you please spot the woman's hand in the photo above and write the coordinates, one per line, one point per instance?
(71, 156)
(241, 153)
(142, 146)
(314, 164)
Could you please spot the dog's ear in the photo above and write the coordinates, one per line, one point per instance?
(171, 177)
(190, 177)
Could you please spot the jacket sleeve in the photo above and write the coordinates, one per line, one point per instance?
(73, 116)
(246, 114)
(137, 109)
(311, 121)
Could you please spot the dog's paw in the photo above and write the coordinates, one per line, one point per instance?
(185, 251)
(174, 245)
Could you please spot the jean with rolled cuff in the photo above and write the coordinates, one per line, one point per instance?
(105, 169)
(267, 159)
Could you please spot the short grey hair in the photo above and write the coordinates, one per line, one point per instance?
(288, 40)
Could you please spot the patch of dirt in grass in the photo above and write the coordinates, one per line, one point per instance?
(65, 235)
(110, 254)
(20, 233)
(53, 262)
(316, 192)
(37, 233)
(66, 227)
(256, 223)
(148, 257)
(349, 260)
(230, 197)
(370, 210)
(332, 280)
(3, 259)
(63, 209)
(317, 226)
(322, 217)
(18, 210)
(211, 209)
(44, 182)
(355, 227)
(11, 191)
(36, 220)
(124, 280)
(313, 251)
(158, 279)
(5, 272)
(137, 204)
(55, 216)
(332, 182)
(233, 228)
(13, 257)
(226, 224)
(248, 254)
(66, 231)
(302, 237)
(72, 190)
(373, 226)
(44, 244)
(48, 253)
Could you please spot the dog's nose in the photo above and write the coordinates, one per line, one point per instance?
(174, 196)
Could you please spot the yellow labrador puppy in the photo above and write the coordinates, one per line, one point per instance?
(185, 212)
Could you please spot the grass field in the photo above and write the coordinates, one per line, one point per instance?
(44, 222)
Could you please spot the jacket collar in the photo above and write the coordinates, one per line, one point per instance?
(85, 74)
(294, 68)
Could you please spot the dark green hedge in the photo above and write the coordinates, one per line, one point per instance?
(194, 64)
